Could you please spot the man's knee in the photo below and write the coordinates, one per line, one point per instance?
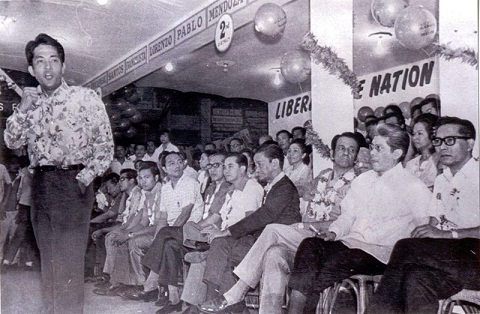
(276, 257)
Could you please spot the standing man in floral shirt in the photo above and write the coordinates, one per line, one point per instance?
(69, 141)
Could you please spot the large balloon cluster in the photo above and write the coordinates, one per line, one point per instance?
(123, 113)
(415, 26)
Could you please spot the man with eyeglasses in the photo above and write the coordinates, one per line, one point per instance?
(382, 206)
(280, 205)
(442, 257)
(236, 145)
(243, 198)
(127, 183)
(271, 257)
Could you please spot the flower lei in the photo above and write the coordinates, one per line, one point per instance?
(446, 205)
(324, 200)
(331, 62)
(312, 138)
(467, 55)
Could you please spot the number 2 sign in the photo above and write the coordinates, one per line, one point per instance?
(224, 33)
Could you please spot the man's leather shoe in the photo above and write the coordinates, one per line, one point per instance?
(169, 308)
(214, 306)
(139, 295)
(202, 246)
(192, 309)
(220, 305)
(162, 297)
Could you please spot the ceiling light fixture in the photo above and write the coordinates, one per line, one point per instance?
(381, 48)
(169, 67)
(102, 2)
(225, 64)
(277, 81)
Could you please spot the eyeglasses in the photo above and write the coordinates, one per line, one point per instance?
(377, 148)
(214, 166)
(449, 140)
(124, 178)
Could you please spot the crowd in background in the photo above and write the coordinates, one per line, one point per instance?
(221, 220)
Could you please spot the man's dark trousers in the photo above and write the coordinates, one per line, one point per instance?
(60, 219)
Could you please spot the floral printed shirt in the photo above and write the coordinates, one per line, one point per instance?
(69, 127)
(455, 201)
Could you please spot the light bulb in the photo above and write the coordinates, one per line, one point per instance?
(169, 67)
(277, 81)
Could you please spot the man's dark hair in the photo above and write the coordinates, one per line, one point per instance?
(164, 155)
(431, 100)
(112, 176)
(301, 129)
(392, 108)
(164, 131)
(284, 131)
(272, 151)
(210, 143)
(129, 173)
(240, 159)
(371, 120)
(399, 116)
(150, 165)
(43, 39)
(466, 127)
(351, 135)
(397, 138)
(237, 139)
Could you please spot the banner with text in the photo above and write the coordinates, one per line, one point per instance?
(398, 84)
(289, 112)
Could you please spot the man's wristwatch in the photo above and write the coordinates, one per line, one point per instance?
(454, 234)
(130, 235)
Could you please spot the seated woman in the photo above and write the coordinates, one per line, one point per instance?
(424, 166)
(298, 155)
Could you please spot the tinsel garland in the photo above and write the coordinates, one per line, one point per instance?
(313, 139)
(467, 55)
(331, 62)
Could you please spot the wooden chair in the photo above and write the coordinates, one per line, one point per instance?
(359, 285)
(468, 300)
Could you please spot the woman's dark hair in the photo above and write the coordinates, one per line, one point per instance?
(306, 149)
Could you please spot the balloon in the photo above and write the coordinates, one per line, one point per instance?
(134, 98)
(115, 117)
(129, 111)
(363, 113)
(131, 132)
(415, 101)
(137, 117)
(386, 11)
(123, 124)
(270, 20)
(378, 112)
(405, 106)
(117, 134)
(121, 104)
(415, 27)
(295, 66)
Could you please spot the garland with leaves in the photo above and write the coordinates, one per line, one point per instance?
(312, 138)
(331, 62)
(468, 55)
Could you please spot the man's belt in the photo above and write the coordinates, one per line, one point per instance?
(59, 168)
